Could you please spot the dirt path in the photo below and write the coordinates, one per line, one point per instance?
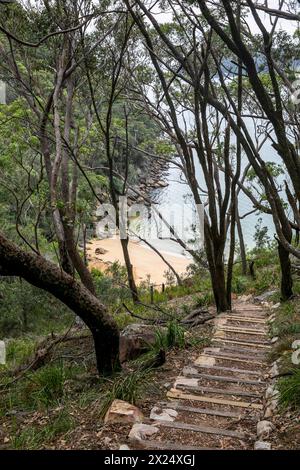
(215, 402)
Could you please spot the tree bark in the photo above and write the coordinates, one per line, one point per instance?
(286, 273)
(46, 275)
(129, 268)
(242, 244)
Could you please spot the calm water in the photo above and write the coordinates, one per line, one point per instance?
(177, 192)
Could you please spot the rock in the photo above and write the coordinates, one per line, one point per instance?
(211, 350)
(122, 412)
(135, 340)
(275, 306)
(205, 361)
(185, 382)
(265, 296)
(262, 445)
(274, 340)
(124, 447)
(272, 405)
(140, 432)
(161, 414)
(100, 251)
(274, 371)
(271, 392)
(264, 428)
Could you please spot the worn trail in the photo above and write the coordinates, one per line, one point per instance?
(217, 400)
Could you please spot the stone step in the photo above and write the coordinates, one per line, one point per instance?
(243, 331)
(216, 391)
(205, 411)
(202, 429)
(220, 378)
(257, 344)
(229, 369)
(225, 357)
(246, 320)
(179, 395)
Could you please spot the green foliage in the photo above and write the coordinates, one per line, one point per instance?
(127, 386)
(261, 237)
(35, 437)
(27, 309)
(289, 390)
(203, 300)
(171, 337)
(38, 390)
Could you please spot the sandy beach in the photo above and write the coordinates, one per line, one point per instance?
(144, 260)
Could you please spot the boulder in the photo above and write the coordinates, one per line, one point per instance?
(264, 429)
(265, 296)
(274, 371)
(122, 412)
(135, 340)
(275, 306)
(262, 445)
(100, 251)
(163, 414)
(271, 392)
(140, 432)
(205, 361)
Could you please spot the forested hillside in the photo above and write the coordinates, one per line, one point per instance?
(149, 224)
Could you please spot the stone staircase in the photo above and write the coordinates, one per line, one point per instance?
(217, 400)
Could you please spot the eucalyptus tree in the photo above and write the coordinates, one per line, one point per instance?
(177, 96)
(40, 61)
(231, 43)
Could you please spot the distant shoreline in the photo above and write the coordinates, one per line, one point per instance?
(144, 260)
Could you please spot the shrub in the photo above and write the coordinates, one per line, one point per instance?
(289, 390)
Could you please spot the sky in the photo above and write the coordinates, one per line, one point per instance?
(286, 25)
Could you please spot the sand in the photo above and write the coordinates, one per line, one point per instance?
(144, 260)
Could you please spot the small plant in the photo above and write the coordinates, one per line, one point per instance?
(34, 437)
(127, 387)
(49, 384)
(203, 300)
(289, 390)
(172, 337)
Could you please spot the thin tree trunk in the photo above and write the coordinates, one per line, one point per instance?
(286, 273)
(77, 261)
(242, 244)
(129, 268)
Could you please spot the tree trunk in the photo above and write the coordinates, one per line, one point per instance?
(217, 275)
(219, 289)
(129, 267)
(78, 262)
(286, 273)
(46, 275)
(242, 245)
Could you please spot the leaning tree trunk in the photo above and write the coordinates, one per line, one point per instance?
(286, 273)
(129, 268)
(46, 275)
